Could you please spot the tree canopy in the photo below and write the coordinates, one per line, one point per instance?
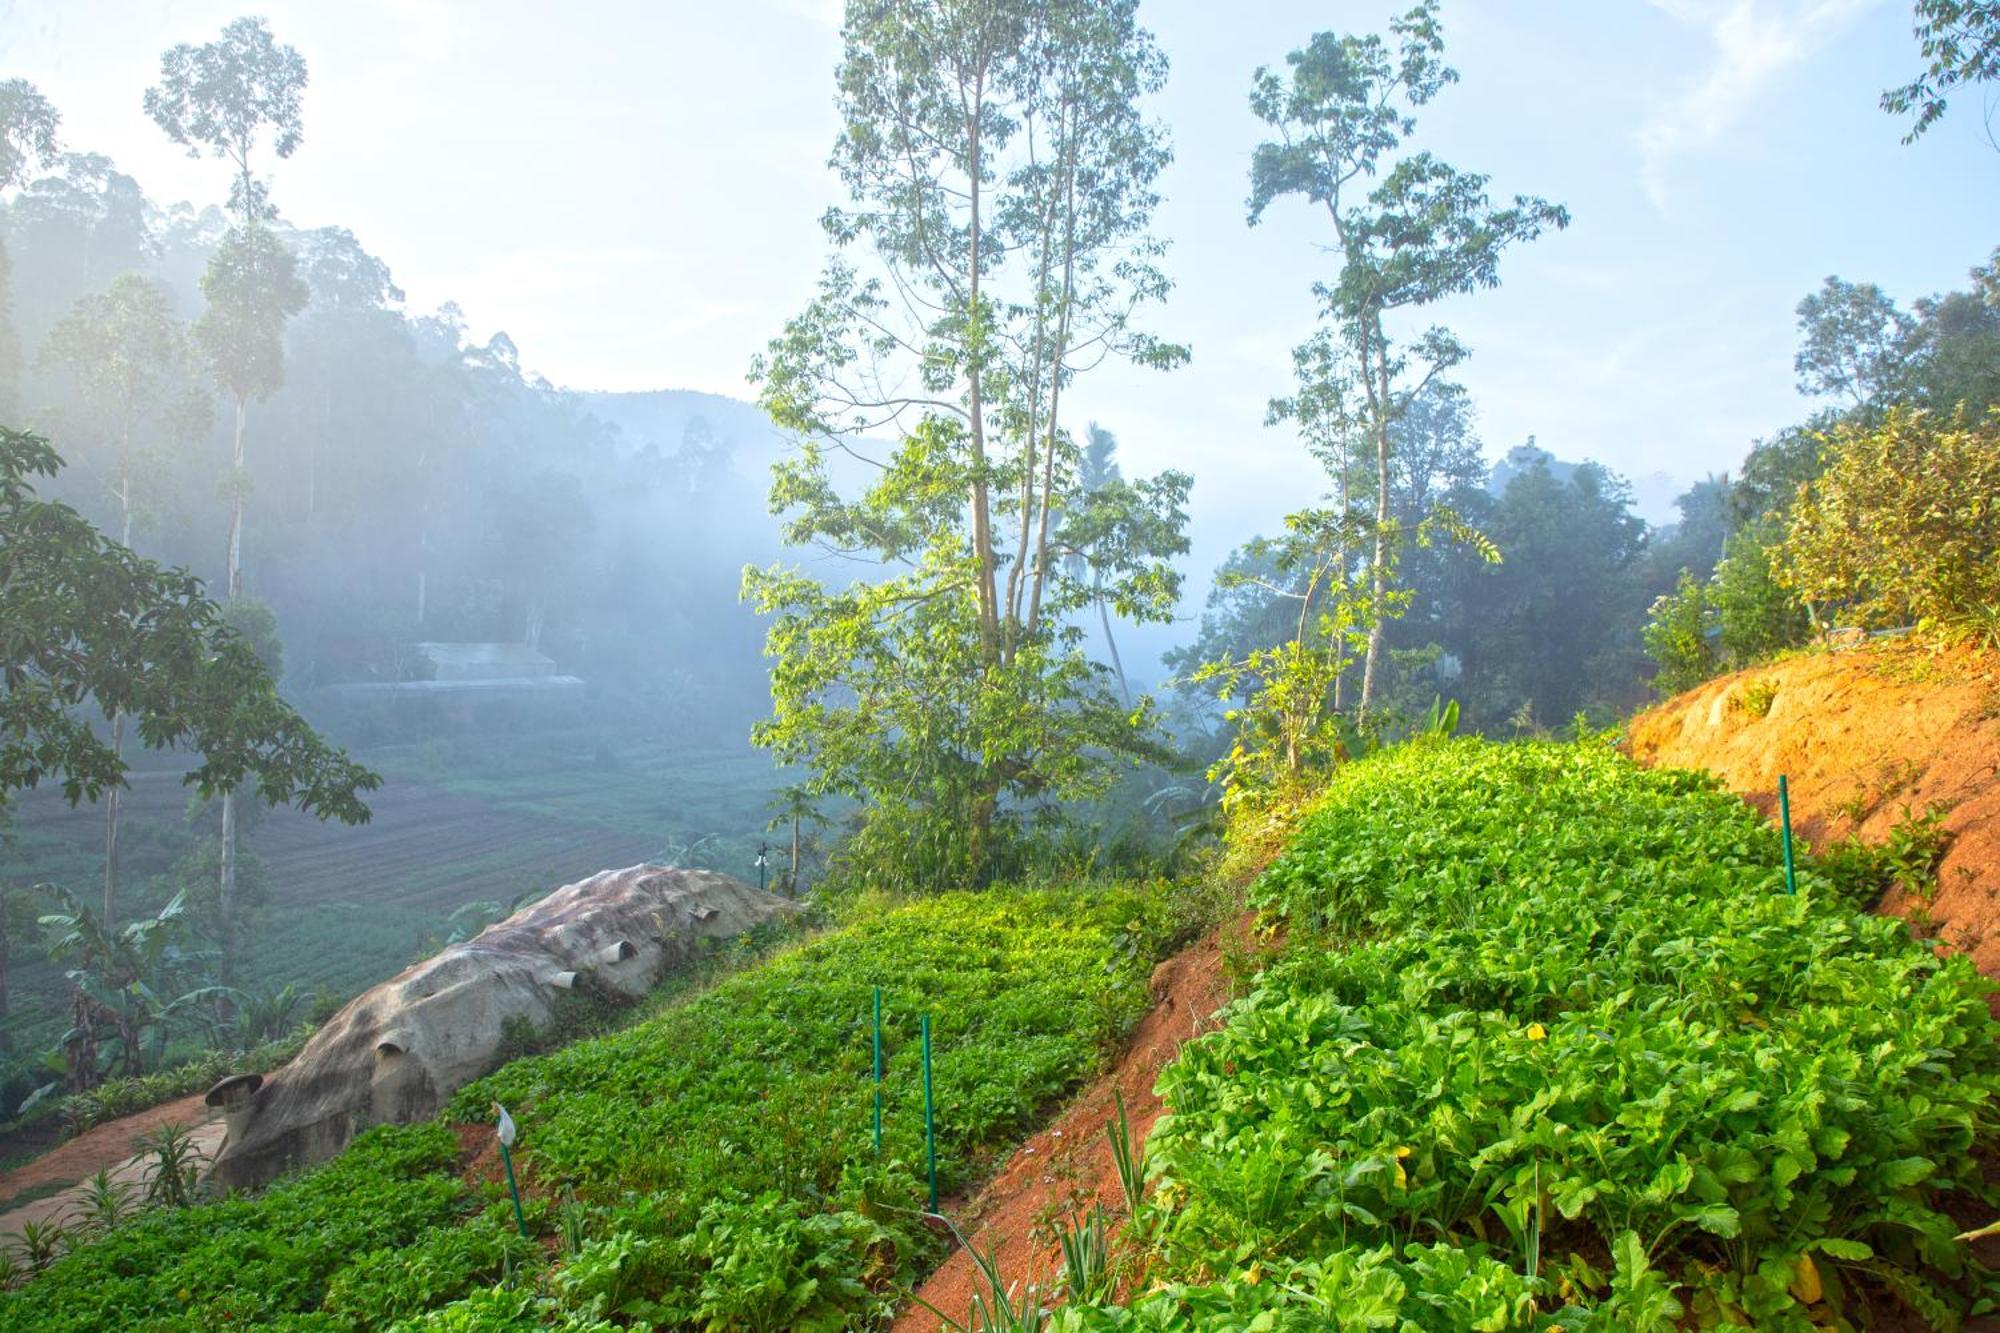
(85, 620)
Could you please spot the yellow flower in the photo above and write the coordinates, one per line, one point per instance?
(1536, 1032)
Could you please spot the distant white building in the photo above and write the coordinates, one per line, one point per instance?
(463, 673)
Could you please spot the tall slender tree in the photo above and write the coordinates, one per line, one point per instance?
(1410, 230)
(28, 127)
(124, 350)
(1001, 180)
(227, 97)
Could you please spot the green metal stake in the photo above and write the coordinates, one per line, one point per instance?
(507, 1160)
(930, 1121)
(878, 1071)
(1785, 818)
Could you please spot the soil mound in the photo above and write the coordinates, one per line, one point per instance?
(1868, 738)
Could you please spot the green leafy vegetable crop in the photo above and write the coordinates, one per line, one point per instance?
(1549, 1046)
(720, 1152)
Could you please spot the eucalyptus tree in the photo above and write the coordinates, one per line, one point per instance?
(125, 353)
(994, 247)
(227, 97)
(28, 127)
(1409, 230)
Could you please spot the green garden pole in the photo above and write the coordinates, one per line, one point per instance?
(506, 1135)
(930, 1121)
(1785, 819)
(878, 1071)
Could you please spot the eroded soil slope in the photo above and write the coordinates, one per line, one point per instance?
(1868, 737)
(1068, 1166)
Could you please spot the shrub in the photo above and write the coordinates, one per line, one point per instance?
(1756, 615)
(1904, 524)
(1676, 637)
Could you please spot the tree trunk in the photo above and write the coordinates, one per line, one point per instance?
(1060, 353)
(1378, 622)
(225, 897)
(1111, 644)
(113, 796)
(795, 854)
(982, 519)
(225, 902)
(1378, 573)
(6, 960)
(111, 803)
(236, 506)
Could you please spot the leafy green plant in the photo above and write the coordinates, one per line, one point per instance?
(38, 1243)
(1916, 847)
(1757, 697)
(174, 1167)
(995, 1307)
(1086, 1251)
(718, 1149)
(104, 1205)
(1536, 998)
(1900, 528)
(1676, 637)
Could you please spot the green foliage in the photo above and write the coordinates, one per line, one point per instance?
(1901, 528)
(1000, 176)
(84, 618)
(718, 1153)
(1756, 614)
(252, 287)
(1538, 1000)
(1677, 637)
(1960, 43)
(1411, 230)
(225, 95)
(1757, 697)
(251, 1261)
(1907, 859)
(27, 130)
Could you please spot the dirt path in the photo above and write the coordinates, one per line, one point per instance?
(1067, 1166)
(107, 1145)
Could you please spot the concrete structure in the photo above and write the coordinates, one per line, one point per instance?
(469, 673)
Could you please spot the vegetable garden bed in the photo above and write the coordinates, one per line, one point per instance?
(718, 1156)
(1550, 1046)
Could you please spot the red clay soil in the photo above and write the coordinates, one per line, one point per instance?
(1067, 1166)
(105, 1145)
(1865, 737)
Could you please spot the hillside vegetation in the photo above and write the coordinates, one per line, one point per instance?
(718, 1155)
(1550, 1046)
(1892, 745)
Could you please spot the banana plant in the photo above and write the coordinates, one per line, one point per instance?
(122, 1007)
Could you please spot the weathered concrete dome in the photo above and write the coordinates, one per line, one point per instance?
(398, 1052)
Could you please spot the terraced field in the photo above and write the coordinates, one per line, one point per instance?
(451, 825)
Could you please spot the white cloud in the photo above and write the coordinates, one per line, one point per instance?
(1754, 41)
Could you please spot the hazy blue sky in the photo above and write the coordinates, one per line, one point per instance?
(631, 191)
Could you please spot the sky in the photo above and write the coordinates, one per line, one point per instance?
(631, 191)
